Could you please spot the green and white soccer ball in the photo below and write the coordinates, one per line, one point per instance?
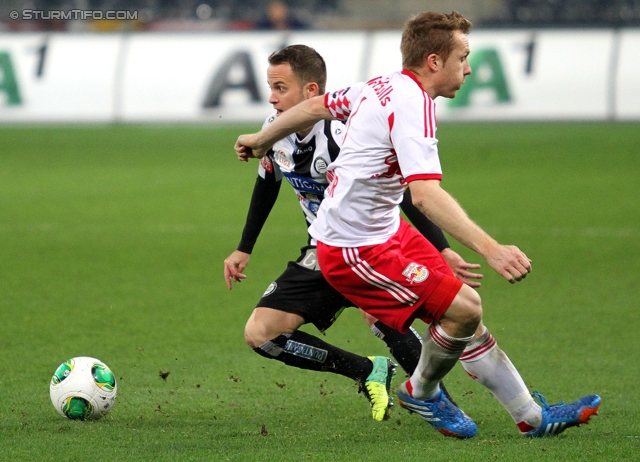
(83, 388)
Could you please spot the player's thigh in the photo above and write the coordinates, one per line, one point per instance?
(305, 292)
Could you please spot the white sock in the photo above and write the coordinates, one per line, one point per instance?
(485, 362)
(439, 354)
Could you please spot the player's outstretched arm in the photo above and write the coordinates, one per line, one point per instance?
(446, 213)
(296, 119)
(264, 196)
(435, 235)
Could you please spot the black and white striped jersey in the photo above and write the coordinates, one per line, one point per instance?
(303, 162)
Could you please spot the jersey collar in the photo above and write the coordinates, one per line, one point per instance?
(412, 76)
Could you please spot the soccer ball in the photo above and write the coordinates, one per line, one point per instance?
(83, 388)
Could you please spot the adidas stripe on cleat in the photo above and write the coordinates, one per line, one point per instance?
(440, 413)
(556, 418)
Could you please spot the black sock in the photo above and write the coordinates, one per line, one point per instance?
(405, 348)
(305, 351)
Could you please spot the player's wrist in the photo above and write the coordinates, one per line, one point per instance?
(487, 247)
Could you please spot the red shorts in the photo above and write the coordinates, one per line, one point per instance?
(401, 280)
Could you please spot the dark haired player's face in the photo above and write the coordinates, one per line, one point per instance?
(286, 90)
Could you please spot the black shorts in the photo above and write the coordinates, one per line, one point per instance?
(302, 290)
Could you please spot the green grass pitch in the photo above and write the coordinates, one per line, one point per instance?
(111, 245)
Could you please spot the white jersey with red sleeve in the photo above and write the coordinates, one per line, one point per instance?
(390, 140)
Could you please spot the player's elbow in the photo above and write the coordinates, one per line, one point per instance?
(423, 192)
(418, 202)
(419, 198)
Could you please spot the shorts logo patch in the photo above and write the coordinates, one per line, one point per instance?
(271, 289)
(415, 273)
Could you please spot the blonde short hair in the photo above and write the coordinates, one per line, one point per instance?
(428, 33)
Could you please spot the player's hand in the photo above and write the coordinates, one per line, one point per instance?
(243, 152)
(509, 261)
(247, 147)
(461, 268)
(234, 265)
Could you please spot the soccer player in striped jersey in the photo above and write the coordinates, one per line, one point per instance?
(375, 259)
(301, 294)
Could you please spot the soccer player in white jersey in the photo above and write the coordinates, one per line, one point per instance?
(301, 294)
(369, 254)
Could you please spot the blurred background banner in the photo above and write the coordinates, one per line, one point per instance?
(58, 77)
(196, 61)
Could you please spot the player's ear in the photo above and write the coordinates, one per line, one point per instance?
(433, 62)
(311, 89)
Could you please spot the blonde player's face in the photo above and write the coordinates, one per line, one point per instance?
(456, 67)
(286, 90)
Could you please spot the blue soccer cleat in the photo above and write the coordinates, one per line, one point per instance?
(558, 417)
(440, 413)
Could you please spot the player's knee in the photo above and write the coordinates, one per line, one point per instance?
(265, 324)
(465, 313)
(255, 333)
(370, 320)
(248, 335)
(473, 306)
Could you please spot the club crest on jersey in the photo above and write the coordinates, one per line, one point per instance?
(320, 165)
(415, 273)
(393, 167)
